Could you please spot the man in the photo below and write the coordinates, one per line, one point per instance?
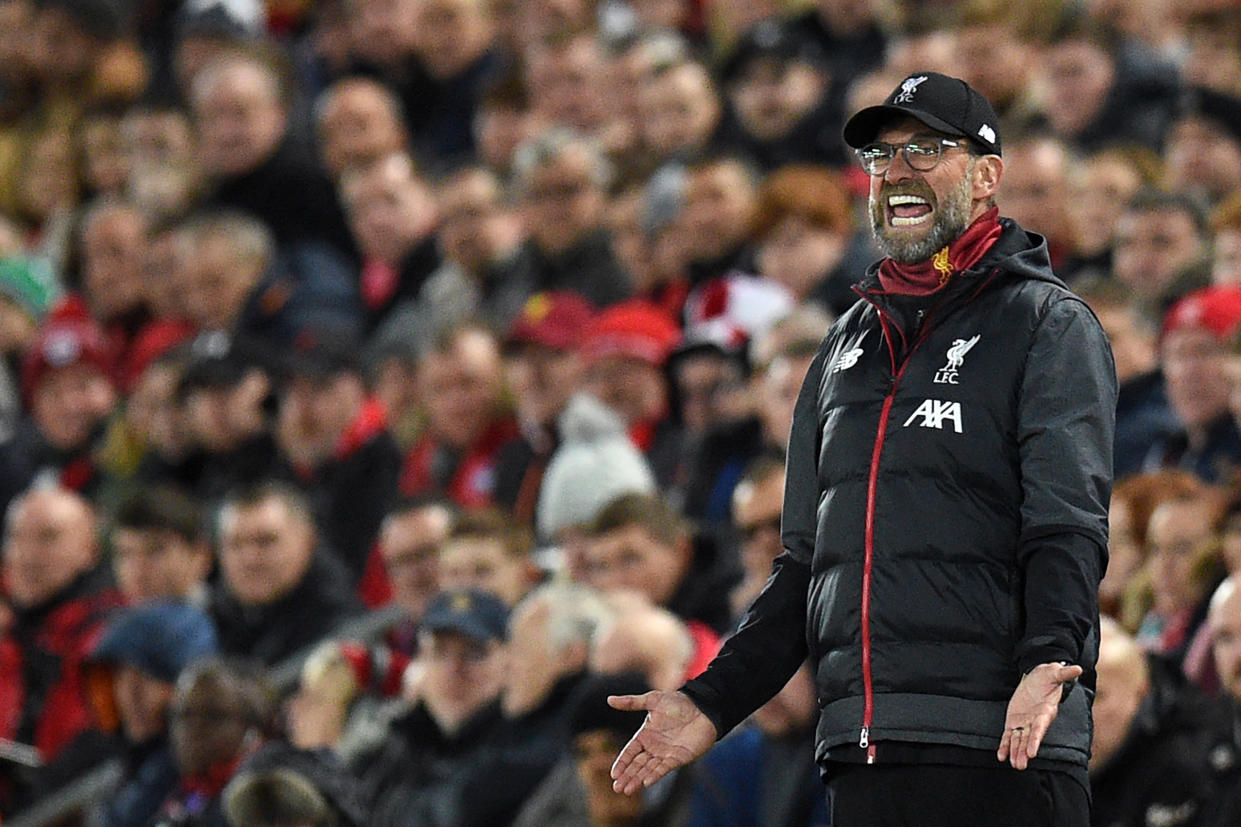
(777, 80)
(222, 710)
(459, 378)
(358, 121)
(142, 651)
(247, 150)
(638, 542)
(1159, 236)
(1193, 348)
(1224, 622)
(158, 548)
(484, 271)
(1149, 749)
(66, 385)
(333, 439)
(418, 774)
(59, 601)
(549, 637)
(543, 369)
(561, 180)
(393, 218)
(1204, 146)
(952, 635)
(278, 593)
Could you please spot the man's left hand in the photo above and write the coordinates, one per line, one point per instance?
(1033, 707)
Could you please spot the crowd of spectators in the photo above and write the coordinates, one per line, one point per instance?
(487, 318)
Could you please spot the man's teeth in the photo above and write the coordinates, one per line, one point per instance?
(907, 201)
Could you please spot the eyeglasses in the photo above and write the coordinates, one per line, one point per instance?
(921, 154)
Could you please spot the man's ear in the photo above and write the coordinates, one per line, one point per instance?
(988, 169)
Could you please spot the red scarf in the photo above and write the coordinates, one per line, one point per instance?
(925, 277)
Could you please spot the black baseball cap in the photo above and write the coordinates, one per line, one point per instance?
(479, 615)
(947, 104)
(774, 40)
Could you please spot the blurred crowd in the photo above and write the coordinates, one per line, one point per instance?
(386, 382)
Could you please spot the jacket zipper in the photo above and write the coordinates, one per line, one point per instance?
(872, 489)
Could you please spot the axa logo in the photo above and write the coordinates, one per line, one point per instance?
(847, 360)
(934, 413)
(908, 87)
(947, 375)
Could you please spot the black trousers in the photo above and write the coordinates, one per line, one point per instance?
(930, 795)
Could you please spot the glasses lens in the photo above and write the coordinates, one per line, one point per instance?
(922, 155)
(875, 157)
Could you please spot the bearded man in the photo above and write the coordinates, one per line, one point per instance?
(945, 512)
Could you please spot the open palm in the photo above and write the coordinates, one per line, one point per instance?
(674, 733)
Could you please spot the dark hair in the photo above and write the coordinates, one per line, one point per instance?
(647, 511)
(161, 508)
(769, 461)
(254, 494)
(247, 677)
(1149, 200)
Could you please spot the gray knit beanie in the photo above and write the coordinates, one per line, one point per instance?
(595, 463)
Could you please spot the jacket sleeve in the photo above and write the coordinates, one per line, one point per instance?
(770, 644)
(1067, 415)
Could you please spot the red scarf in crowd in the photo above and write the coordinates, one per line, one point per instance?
(925, 277)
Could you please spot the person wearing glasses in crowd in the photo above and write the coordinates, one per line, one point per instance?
(945, 511)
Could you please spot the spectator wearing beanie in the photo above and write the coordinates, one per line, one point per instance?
(69, 395)
(144, 649)
(1194, 343)
(595, 463)
(626, 349)
(543, 368)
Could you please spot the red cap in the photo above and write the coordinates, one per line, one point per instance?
(1216, 309)
(552, 319)
(63, 343)
(635, 329)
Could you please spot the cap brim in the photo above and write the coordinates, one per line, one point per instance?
(472, 629)
(863, 127)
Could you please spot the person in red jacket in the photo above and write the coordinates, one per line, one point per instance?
(55, 588)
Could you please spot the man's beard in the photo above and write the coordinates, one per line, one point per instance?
(952, 217)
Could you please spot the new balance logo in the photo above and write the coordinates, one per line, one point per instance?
(847, 360)
(934, 412)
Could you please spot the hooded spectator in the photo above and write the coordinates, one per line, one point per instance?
(282, 786)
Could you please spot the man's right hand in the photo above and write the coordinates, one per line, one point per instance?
(674, 733)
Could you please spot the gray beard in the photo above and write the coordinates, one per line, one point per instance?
(952, 217)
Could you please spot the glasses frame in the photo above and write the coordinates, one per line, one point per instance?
(925, 163)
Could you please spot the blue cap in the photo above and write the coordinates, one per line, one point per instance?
(159, 639)
(477, 614)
